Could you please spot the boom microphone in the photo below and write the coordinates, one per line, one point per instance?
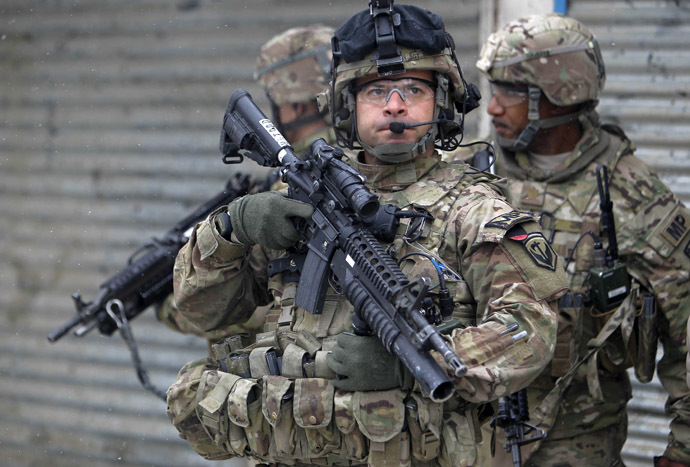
(399, 127)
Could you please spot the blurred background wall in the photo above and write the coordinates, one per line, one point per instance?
(111, 112)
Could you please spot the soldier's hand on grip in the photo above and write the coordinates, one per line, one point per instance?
(264, 219)
(363, 364)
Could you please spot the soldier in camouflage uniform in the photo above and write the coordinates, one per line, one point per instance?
(546, 74)
(503, 278)
(293, 67)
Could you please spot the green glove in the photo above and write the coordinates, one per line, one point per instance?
(366, 365)
(264, 218)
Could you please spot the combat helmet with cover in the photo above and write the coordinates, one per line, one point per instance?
(388, 40)
(553, 55)
(293, 67)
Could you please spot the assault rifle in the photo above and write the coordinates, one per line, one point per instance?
(146, 280)
(341, 249)
(512, 416)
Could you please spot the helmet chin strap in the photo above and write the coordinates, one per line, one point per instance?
(395, 153)
(535, 124)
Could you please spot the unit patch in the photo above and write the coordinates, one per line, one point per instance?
(537, 248)
(509, 219)
(676, 226)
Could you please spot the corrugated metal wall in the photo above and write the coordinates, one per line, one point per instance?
(110, 117)
(644, 44)
(647, 92)
(111, 111)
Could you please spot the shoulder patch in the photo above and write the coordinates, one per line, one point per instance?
(509, 219)
(676, 226)
(537, 248)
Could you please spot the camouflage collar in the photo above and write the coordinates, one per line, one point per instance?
(398, 176)
(591, 145)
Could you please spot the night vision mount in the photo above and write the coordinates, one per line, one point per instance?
(389, 60)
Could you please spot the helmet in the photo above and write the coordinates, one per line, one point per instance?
(293, 67)
(553, 55)
(557, 54)
(387, 40)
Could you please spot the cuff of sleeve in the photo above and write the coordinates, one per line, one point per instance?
(214, 247)
(229, 249)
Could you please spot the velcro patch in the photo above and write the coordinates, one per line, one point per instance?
(509, 219)
(537, 248)
(676, 226)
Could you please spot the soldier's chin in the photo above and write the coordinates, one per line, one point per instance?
(503, 131)
(398, 139)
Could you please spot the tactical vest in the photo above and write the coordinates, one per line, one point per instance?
(297, 415)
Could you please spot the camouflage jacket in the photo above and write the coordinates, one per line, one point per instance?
(651, 226)
(498, 279)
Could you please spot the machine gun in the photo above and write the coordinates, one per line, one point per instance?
(341, 249)
(512, 416)
(146, 280)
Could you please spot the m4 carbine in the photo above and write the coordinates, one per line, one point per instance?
(512, 416)
(146, 280)
(341, 249)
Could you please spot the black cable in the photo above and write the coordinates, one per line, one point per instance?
(415, 229)
(493, 155)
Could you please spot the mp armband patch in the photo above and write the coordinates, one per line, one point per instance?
(677, 226)
(536, 246)
(509, 219)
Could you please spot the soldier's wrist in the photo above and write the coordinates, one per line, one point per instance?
(223, 225)
(234, 213)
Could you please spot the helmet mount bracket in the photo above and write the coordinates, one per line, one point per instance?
(389, 60)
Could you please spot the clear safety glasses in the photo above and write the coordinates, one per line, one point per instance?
(508, 95)
(411, 90)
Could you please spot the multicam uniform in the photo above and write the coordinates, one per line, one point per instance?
(293, 419)
(585, 415)
(292, 68)
(651, 227)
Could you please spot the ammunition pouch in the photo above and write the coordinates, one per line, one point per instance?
(634, 341)
(647, 340)
(297, 419)
(631, 331)
(569, 333)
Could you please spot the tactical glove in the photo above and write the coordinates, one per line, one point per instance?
(363, 364)
(264, 218)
